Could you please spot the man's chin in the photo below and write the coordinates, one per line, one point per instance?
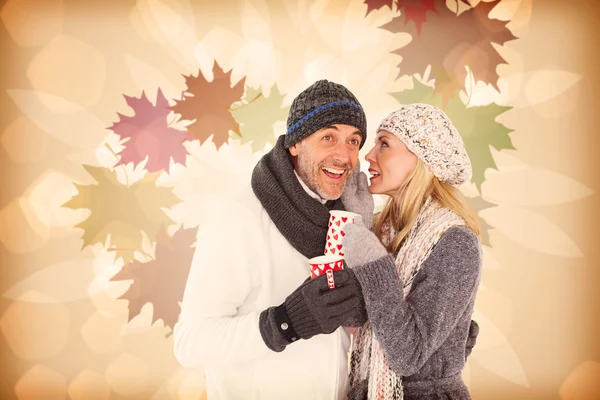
(331, 193)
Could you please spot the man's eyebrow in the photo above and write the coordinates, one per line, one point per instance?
(331, 127)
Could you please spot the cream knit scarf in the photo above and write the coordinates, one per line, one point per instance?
(368, 360)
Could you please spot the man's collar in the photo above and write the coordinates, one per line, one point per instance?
(309, 191)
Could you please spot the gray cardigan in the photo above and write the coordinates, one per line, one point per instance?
(424, 335)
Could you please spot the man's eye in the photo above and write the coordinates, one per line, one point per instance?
(355, 142)
(326, 137)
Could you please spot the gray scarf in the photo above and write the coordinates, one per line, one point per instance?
(302, 220)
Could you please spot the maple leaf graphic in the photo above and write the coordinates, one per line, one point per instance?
(162, 280)
(416, 11)
(208, 103)
(148, 134)
(477, 125)
(373, 5)
(256, 115)
(450, 43)
(121, 211)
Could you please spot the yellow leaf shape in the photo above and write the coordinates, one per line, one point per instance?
(50, 281)
(121, 212)
(531, 186)
(71, 124)
(531, 230)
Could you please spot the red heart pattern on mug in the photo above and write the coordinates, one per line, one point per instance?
(336, 232)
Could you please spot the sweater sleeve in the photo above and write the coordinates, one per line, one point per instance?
(410, 330)
(224, 270)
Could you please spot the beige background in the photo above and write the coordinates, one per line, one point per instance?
(65, 333)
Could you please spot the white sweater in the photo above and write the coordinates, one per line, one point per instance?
(241, 266)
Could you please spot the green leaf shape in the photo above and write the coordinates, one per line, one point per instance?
(256, 115)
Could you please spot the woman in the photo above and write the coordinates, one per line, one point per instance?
(420, 269)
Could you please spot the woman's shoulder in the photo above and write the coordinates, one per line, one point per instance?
(460, 241)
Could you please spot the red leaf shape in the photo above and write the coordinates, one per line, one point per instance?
(416, 11)
(208, 103)
(160, 281)
(148, 134)
(450, 43)
(373, 5)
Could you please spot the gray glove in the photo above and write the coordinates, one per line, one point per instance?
(312, 309)
(361, 246)
(471, 338)
(357, 198)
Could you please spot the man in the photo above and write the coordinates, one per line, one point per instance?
(248, 306)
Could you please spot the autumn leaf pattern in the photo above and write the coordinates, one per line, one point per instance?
(147, 134)
(452, 43)
(121, 212)
(373, 5)
(106, 328)
(160, 281)
(257, 113)
(207, 105)
(416, 12)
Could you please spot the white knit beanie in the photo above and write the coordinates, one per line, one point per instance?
(429, 134)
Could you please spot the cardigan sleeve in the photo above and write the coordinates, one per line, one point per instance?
(223, 272)
(411, 329)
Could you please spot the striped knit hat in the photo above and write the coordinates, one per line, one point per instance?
(321, 104)
(429, 134)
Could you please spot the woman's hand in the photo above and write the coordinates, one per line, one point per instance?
(361, 246)
(357, 198)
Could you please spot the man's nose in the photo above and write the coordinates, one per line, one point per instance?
(342, 153)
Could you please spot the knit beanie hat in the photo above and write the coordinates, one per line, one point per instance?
(429, 134)
(321, 104)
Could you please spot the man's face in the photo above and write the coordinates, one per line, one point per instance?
(326, 158)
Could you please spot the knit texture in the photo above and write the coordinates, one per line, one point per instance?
(419, 305)
(430, 135)
(322, 104)
(302, 220)
(314, 309)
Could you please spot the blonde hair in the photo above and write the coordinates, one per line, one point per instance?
(403, 208)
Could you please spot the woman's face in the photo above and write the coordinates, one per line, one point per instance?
(391, 163)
